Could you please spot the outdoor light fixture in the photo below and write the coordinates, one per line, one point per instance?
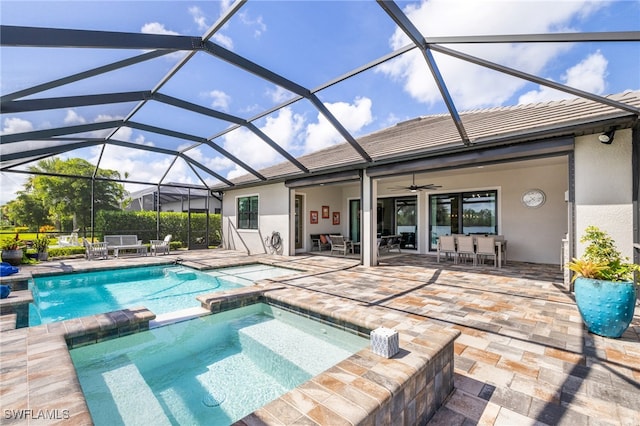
(607, 137)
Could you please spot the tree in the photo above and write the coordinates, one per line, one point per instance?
(71, 196)
(27, 210)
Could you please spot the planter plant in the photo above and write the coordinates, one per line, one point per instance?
(12, 250)
(41, 245)
(604, 285)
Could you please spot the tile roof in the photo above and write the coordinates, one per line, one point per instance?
(429, 135)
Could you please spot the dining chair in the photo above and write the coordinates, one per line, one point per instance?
(486, 246)
(447, 246)
(466, 250)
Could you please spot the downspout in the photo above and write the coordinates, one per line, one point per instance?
(635, 197)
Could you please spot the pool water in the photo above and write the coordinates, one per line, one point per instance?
(211, 370)
(161, 289)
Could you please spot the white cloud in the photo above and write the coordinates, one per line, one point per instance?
(213, 162)
(225, 5)
(589, 75)
(352, 116)
(16, 125)
(279, 94)
(257, 24)
(283, 128)
(473, 86)
(123, 133)
(156, 28)
(11, 184)
(73, 117)
(223, 40)
(292, 133)
(199, 18)
(219, 99)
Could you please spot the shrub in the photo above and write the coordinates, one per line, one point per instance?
(601, 259)
(47, 229)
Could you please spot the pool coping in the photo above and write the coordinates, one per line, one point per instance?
(38, 377)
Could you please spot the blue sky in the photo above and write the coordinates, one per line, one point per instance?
(310, 43)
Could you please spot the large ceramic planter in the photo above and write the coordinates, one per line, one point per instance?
(12, 257)
(606, 307)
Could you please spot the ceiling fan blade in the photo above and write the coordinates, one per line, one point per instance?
(429, 186)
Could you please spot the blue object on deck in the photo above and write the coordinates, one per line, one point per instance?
(7, 269)
(4, 291)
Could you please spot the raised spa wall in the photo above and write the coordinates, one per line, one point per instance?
(364, 389)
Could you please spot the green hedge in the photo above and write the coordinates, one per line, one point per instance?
(143, 224)
(65, 251)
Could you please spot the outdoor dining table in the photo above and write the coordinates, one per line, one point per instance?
(500, 243)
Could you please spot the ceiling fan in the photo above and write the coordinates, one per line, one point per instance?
(415, 188)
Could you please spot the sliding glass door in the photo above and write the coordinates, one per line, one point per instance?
(399, 216)
(473, 212)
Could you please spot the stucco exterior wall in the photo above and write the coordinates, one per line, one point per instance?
(273, 207)
(603, 189)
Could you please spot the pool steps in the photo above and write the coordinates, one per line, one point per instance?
(307, 347)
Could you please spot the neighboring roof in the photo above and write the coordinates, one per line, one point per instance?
(431, 135)
(171, 190)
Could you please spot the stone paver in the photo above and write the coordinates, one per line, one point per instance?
(524, 356)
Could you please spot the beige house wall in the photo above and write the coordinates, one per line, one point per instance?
(603, 193)
(273, 216)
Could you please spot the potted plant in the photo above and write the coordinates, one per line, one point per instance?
(12, 250)
(41, 245)
(604, 285)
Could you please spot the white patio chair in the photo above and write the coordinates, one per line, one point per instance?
(486, 247)
(161, 246)
(447, 246)
(69, 240)
(97, 250)
(339, 244)
(465, 249)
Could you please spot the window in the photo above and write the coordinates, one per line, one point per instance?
(248, 212)
(463, 213)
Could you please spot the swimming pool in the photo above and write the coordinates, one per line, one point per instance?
(161, 289)
(210, 370)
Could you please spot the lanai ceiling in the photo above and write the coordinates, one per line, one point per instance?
(139, 88)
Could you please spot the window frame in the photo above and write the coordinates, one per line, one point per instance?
(249, 223)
